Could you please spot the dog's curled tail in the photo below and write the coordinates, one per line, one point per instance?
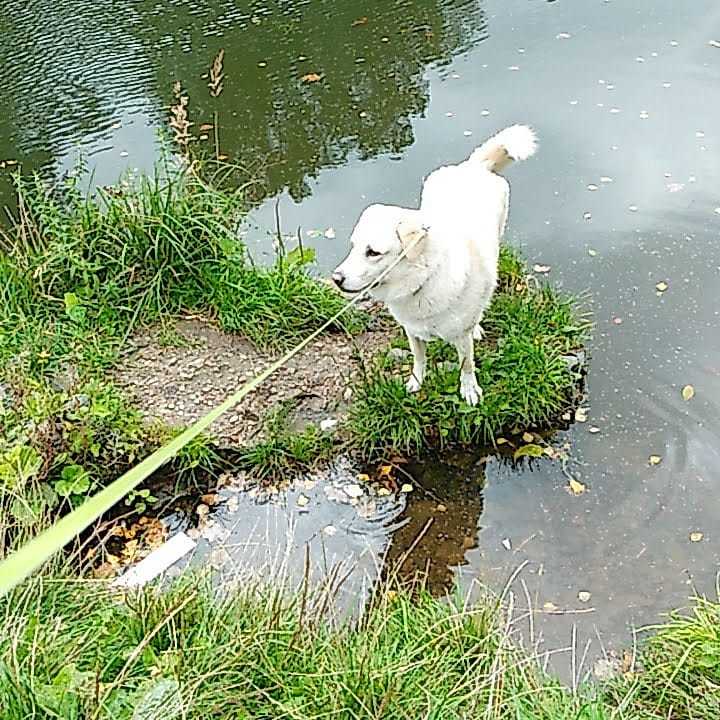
(517, 142)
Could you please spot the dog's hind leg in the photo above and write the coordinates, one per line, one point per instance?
(419, 363)
(470, 391)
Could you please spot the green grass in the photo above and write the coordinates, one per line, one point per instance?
(522, 368)
(284, 453)
(79, 273)
(70, 649)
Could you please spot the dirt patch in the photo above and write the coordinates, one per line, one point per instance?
(178, 384)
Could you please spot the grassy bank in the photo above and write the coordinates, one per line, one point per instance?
(78, 275)
(69, 649)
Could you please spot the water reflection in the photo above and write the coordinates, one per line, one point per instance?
(99, 76)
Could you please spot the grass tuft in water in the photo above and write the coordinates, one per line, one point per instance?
(284, 453)
(524, 367)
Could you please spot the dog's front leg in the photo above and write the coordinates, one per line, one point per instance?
(470, 391)
(417, 346)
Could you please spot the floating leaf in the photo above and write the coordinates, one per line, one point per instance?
(696, 536)
(406, 488)
(360, 21)
(550, 607)
(662, 286)
(575, 487)
(311, 77)
(385, 470)
(688, 392)
(541, 268)
(528, 437)
(584, 596)
(531, 450)
(654, 460)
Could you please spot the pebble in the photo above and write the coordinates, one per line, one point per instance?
(353, 490)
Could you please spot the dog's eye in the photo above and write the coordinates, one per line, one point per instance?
(369, 252)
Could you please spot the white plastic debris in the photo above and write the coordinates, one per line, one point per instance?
(157, 562)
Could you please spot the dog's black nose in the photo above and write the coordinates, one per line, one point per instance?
(338, 278)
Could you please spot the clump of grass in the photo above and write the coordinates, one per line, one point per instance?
(278, 306)
(60, 445)
(678, 674)
(283, 452)
(523, 368)
(78, 273)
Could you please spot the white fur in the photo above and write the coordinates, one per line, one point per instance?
(443, 285)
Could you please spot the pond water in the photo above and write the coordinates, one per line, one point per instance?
(624, 194)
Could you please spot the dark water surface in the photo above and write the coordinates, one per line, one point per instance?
(624, 194)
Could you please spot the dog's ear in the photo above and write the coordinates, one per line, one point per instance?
(412, 236)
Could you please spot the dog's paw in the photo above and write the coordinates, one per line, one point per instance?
(478, 332)
(413, 384)
(470, 391)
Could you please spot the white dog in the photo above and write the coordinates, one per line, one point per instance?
(444, 283)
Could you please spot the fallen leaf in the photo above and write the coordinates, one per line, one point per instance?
(662, 286)
(696, 536)
(581, 414)
(362, 477)
(383, 492)
(222, 157)
(529, 451)
(584, 596)
(302, 500)
(385, 470)
(550, 607)
(206, 126)
(591, 252)
(360, 21)
(391, 595)
(311, 77)
(500, 441)
(593, 429)
(406, 488)
(575, 487)
(441, 508)
(654, 460)
(528, 437)
(541, 268)
(688, 392)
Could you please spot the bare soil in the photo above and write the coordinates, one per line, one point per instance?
(179, 383)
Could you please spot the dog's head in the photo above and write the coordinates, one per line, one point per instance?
(382, 234)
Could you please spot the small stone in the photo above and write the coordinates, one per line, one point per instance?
(353, 490)
(383, 492)
(329, 530)
(441, 508)
(592, 187)
(202, 510)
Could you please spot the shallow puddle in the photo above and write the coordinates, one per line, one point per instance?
(622, 202)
